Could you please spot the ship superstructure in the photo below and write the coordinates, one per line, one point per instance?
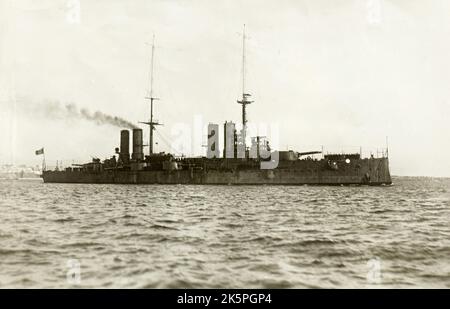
(237, 164)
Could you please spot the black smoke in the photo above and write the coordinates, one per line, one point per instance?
(58, 110)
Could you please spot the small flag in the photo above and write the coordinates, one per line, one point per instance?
(40, 151)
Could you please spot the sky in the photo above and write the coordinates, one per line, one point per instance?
(341, 74)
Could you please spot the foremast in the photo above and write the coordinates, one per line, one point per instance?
(244, 101)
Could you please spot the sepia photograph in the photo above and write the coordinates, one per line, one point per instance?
(192, 145)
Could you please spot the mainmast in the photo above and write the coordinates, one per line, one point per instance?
(245, 96)
(150, 97)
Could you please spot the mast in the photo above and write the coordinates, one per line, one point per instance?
(245, 96)
(387, 147)
(150, 97)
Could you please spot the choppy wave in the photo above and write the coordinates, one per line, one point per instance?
(225, 236)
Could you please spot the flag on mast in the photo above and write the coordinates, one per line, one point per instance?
(39, 152)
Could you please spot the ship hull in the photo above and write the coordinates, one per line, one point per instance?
(301, 172)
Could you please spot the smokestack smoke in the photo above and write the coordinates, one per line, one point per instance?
(57, 110)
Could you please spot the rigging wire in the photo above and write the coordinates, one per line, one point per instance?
(168, 144)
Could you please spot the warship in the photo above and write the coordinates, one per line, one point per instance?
(237, 164)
